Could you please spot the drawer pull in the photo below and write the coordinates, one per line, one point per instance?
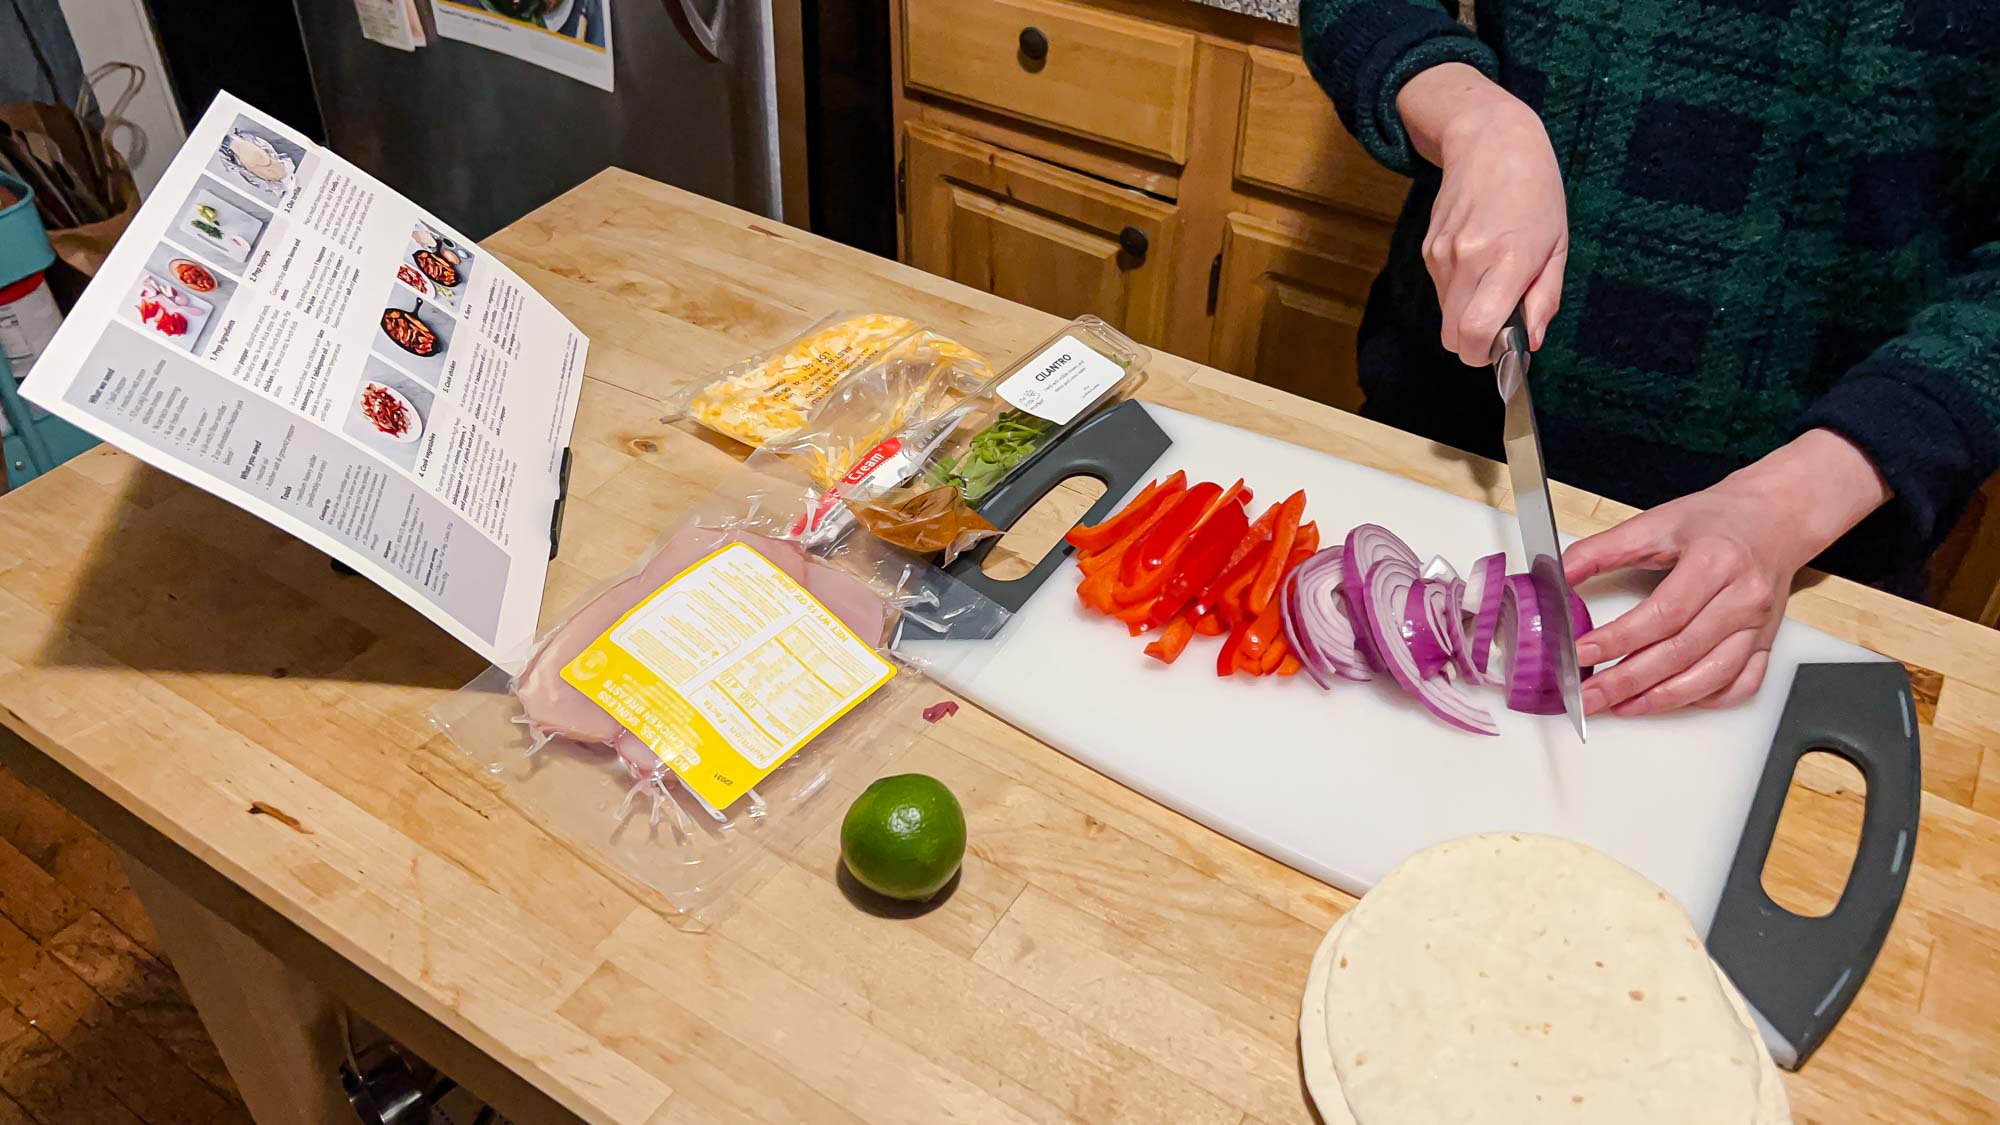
(1034, 44)
(1133, 241)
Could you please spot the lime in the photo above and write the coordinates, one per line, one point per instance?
(904, 837)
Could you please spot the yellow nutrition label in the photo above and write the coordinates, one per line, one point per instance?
(727, 670)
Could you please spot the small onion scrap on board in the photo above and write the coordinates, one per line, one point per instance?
(1187, 561)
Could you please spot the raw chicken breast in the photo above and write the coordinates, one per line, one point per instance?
(555, 709)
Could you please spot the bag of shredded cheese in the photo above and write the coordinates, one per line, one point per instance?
(767, 395)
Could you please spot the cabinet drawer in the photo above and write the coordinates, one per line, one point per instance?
(1293, 141)
(1109, 77)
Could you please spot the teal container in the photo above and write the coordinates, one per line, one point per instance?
(38, 442)
(24, 245)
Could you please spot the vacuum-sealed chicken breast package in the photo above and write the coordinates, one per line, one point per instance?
(695, 718)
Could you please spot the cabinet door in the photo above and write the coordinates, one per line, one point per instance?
(1037, 234)
(1288, 306)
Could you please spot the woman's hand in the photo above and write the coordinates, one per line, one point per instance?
(1499, 231)
(1703, 636)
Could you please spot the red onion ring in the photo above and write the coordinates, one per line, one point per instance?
(1366, 545)
(1455, 639)
(1430, 622)
(1385, 598)
(1316, 622)
(1482, 600)
(1531, 668)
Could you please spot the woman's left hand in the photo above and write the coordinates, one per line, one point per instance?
(1703, 636)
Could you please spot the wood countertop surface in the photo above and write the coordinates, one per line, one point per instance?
(1103, 960)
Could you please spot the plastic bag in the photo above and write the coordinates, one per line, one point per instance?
(1039, 398)
(771, 394)
(866, 420)
(571, 765)
(920, 487)
(929, 521)
(873, 434)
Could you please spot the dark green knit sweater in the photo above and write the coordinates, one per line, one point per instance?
(1784, 214)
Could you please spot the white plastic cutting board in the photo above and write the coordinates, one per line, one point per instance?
(1343, 784)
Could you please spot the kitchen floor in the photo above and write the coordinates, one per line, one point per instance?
(95, 1028)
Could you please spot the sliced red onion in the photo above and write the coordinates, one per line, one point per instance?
(1579, 621)
(1316, 623)
(1296, 636)
(1366, 545)
(1482, 600)
(1531, 667)
(1384, 598)
(1429, 624)
(1439, 570)
(1455, 639)
(1483, 582)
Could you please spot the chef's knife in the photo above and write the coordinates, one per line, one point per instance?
(1536, 513)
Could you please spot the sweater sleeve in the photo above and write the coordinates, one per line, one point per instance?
(1362, 51)
(1925, 407)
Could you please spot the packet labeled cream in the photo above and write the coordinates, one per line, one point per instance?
(727, 670)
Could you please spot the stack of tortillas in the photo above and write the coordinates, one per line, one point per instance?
(1517, 979)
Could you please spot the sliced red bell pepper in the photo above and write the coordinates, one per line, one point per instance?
(1245, 662)
(1232, 601)
(1289, 666)
(1240, 493)
(1234, 608)
(1201, 561)
(1262, 631)
(1136, 616)
(1209, 625)
(1110, 556)
(1242, 561)
(1226, 657)
(1308, 539)
(1172, 641)
(1091, 540)
(1145, 568)
(1258, 534)
(1273, 657)
(1096, 590)
(1265, 587)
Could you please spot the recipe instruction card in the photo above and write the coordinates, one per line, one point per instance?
(279, 328)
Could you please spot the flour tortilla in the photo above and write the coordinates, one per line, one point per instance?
(1773, 1106)
(1317, 1062)
(1497, 980)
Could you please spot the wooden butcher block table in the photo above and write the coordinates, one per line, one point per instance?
(249, 727)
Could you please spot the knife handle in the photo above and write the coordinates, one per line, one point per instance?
(1513, 334)
(1799, 972)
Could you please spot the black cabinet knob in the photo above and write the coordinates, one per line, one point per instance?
(1034, 44)
(1132, 240)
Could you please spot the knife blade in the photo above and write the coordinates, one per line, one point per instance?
(1535, 513)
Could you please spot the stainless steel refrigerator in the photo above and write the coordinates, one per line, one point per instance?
(480, 138)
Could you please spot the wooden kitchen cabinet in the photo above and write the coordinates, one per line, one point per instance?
(1035, 233)
(1292, 142)
(1287, 309)
(1089, 72)
(1044, 140)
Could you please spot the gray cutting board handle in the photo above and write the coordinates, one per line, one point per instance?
(1118, 446)
(1800, 973)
